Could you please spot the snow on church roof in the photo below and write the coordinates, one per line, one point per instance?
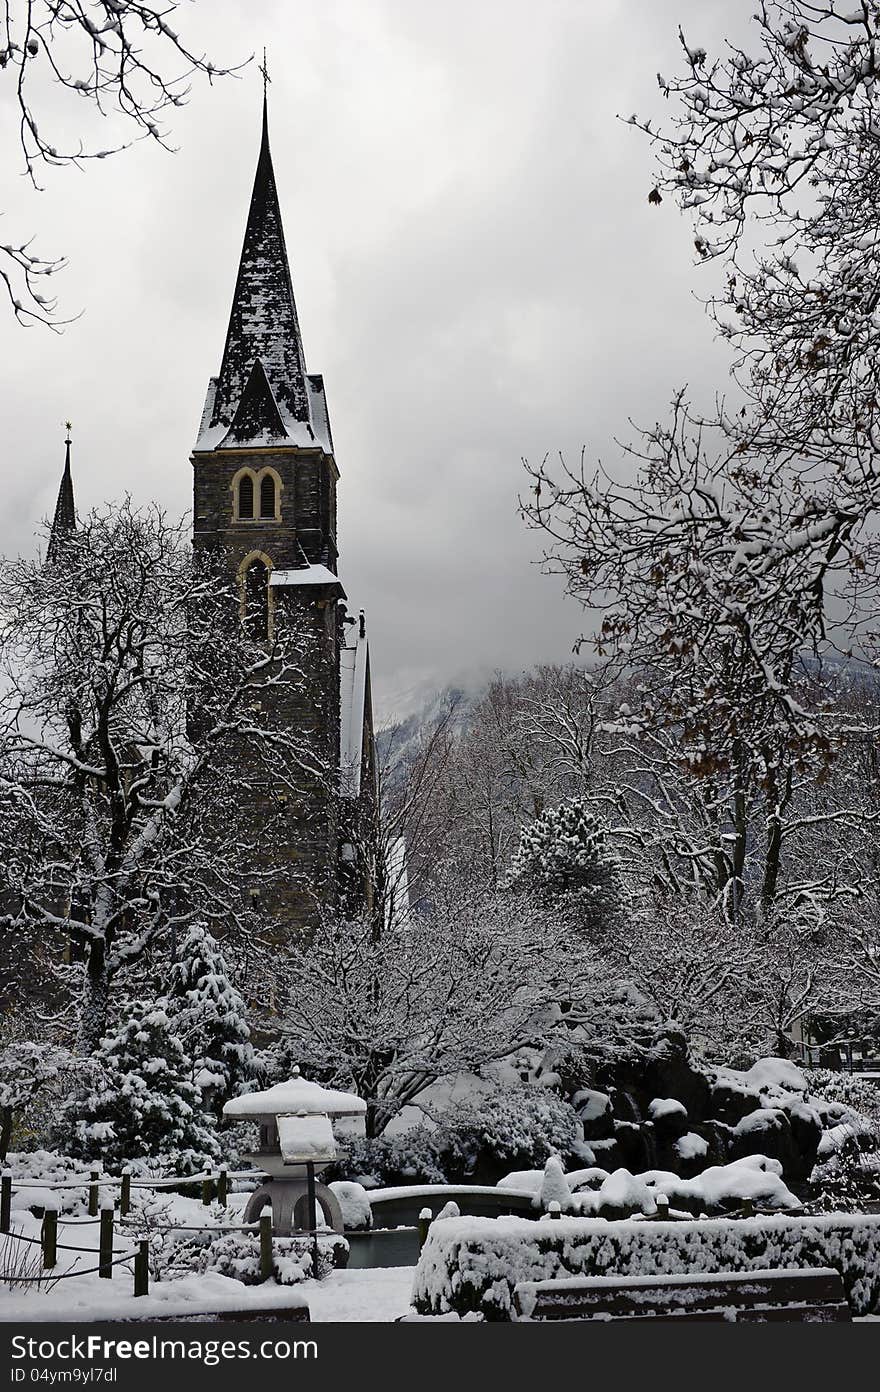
(263, 395)
(307, 575)
(353, 666)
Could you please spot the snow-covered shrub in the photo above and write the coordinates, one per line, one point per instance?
(508, 1127)
(238, 1139)
(859, 1094)
(847, 1173)
(48, 1167)
(473, 1264)
(475, 1140)
(144, 1103)
(237, 1254)
(149, 1217)
(207, 1014)
(564, 857)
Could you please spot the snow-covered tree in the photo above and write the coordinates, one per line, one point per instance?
(25, 1069)
(208, 1015)
(124, 58)
(386, 1013)
(564, 858)
(135, 728)
(712, 583)
(144, 1102)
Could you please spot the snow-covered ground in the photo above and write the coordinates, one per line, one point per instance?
(375, 1296)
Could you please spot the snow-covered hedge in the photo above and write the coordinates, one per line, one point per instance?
(473, 1264)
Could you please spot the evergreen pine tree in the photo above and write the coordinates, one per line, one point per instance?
(144, 1103)
(564, 859)
(208, 1015)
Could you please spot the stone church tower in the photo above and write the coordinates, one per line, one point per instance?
(265, 476)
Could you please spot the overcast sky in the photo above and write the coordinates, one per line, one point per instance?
(478, 274)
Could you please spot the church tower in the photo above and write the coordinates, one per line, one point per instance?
(265, 478)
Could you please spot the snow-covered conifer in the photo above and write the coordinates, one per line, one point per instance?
(564, 855)
(208, 1015)
(144, 1103)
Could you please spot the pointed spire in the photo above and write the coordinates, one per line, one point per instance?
(263, 323)
(64, 521)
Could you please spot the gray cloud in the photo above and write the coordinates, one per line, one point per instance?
(478, 273)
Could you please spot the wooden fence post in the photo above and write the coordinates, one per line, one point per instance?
(554, 1208)
(105, 1243)
(125, 1192)
(93, 1193)
(49, 1236)
(5, 1201)
(142, 1268)
(207, 1191)
(265, 1246)
(662, 1203)
(748, 1208)
(223, 1187)
(424, 1224)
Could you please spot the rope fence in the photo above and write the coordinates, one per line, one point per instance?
(109, 1256)
(214, 1186)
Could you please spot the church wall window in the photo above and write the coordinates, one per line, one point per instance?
(267, 496)
(256, 600)
(246, 497)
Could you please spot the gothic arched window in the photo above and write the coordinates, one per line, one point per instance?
(267, 496)
(256, 601)
(246, 496)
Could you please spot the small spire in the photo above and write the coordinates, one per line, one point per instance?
(64, 521)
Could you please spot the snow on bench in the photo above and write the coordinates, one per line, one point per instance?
(809, 1293)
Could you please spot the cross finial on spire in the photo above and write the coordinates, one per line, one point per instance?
(68, 426)
(264, 69)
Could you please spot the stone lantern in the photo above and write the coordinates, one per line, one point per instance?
(296, 1142)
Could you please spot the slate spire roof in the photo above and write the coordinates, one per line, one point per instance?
(263, 394)
(64, 520)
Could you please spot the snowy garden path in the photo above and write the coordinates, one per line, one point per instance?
(378, 1294)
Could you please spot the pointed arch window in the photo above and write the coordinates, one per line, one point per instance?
(246, 496)
(256, 601)
(267, 496)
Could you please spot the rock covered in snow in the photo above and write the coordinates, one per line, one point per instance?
(776, 1074)
(669, 1116)
(691, 1146)
(594, 1110)
(449, 1210)
(357, 1215)
(623, 1194)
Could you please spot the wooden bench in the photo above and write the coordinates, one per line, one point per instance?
(192, 1314)
(808, 1293)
